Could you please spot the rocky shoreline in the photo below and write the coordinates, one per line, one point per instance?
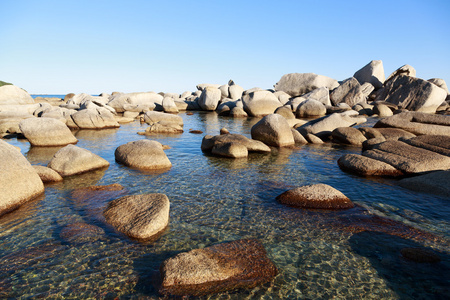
(410, 140)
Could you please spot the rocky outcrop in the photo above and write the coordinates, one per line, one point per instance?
(403, 70)
(143, 154)
(47, 174)
(260, 103)
(13, 95)
(142, 217)
(273, 130)
(436, 143)
(18, 179)
(372, 73)
(413, 94)
(72, 160)
(232, 145)
(365, 166)
(320, 196)
(95, 118)
(297, 84)
(222, 267)
(323, 127)
(46, 132)
(417, 123)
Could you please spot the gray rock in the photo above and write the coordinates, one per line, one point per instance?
(348, 135)
(211, 142)
(403, 70)
(260, 103)
(283, 97)
(226, 266)
(297, 84)
(313, 139)
(202, 86)
(432, 183)
(285, 111)
(349, 92)
(224, 91)
(170, 120)
(373, 73)
(298, 138)
(235, 91)
(19, 180)
(143, 154)
(209, 99)
(436, 143)
(310, 108)
(232, 150)
(413, 94)
(169, 106)
(72, 160)
(365, 166)
(99, 118)
(46, 132)
(140, 217)
(273, 130)
(382, 110)
(238, 112)
(147, 101)
(440, 83)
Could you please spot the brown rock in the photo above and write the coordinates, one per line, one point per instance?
(47, 174)
(143, 154)
(195, 131)
(224, 131)
(320, 196)
(222, 267)
(365, 166)
(231, 149)
(81, 232)
(348, 135)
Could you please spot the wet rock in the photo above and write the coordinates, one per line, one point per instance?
(47, 174)
(420, 255)
(407, 158)
(222, 267)
(413, 94)
(273, 130)
(365, 166)
(143, 154)
(140, 217)
(231, 149)
(46, 132)
(349, 92)
(195, 131)
(310, 108)
(260, 103)
(297, 84)
(13, 95)
(348, 135)
(323, 127)
(72, 160)
(80, 232)
(417, 123)
(319, 196)
(19, 180)
(433, 183)
(373, 73)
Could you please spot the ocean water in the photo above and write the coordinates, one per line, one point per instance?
(319, 254)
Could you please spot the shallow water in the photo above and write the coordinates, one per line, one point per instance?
(319, 254)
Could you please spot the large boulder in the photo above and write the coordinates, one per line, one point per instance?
(349, 92)
(72, 160)
(143, 154)
(235, 91)
(417, 123)
(318, 196)
(403, 70)
(209, 99)
(11, 94)
(145, 101)
(310, 108)
(46, 132)
(297, 84)
(273, 130)
(170, 120)
(260, 103)
(413, 94)
(96, 118)
(365, 166)
(348, 135)
(18, 179)
(323, 127)
(373, 73)
(140, 217)
(434, 183)
(227, 266)
(407, 158)
(169, 105)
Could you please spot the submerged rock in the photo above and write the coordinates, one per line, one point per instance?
(433, 183)
(81, 232)
(315, 196)
(19, 180)
(222, 267)
(420, 255)
(143, 154)
(72, 160)
(140, 217)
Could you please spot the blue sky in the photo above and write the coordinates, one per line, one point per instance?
(58, 47)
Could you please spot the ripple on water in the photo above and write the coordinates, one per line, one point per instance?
(215, 200)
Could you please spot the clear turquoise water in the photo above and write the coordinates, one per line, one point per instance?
(319, 254)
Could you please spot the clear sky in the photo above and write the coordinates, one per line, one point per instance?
(95, 46)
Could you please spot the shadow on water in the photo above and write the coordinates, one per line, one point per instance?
(409, 279)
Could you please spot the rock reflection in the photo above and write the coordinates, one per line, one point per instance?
(41, 155)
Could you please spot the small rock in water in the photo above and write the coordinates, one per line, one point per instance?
(81, 232)
(316, 196)
(224, 131)
(195, 131)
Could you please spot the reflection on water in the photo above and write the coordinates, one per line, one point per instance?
(320, 254)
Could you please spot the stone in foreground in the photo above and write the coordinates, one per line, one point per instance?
(18, 179)
(222, 267)
(321, 196)
(46, 132)
(143, 154)
(273, 130)
(72, 160)
(142, 217)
